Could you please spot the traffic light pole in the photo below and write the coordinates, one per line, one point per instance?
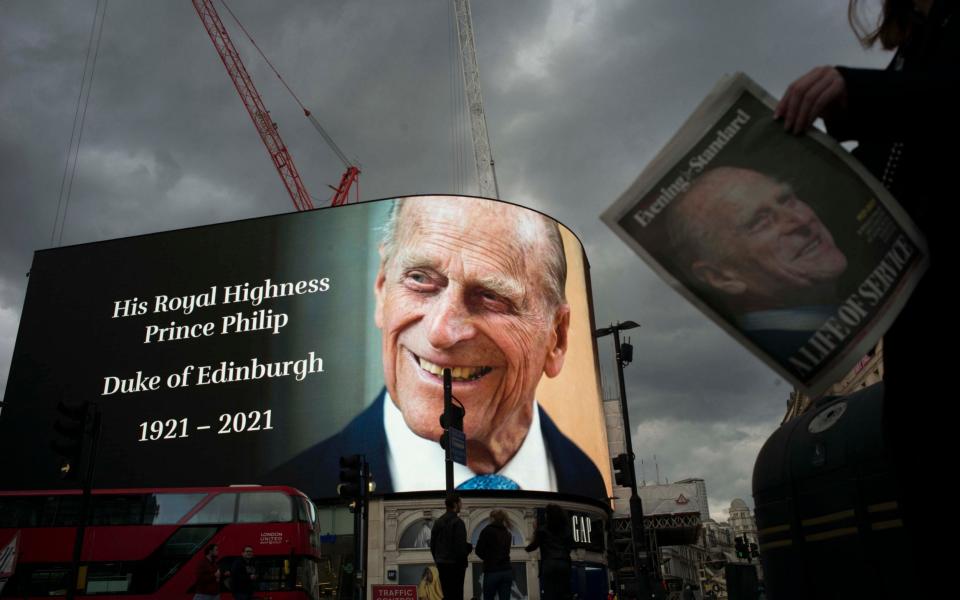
(447, 410)
(91, 427)
(360, 526)
(356, 483)
(636, 505)
(637, 535)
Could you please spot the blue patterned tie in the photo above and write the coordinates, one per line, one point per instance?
(489, 482)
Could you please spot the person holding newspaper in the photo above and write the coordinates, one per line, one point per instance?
(758, 251)
(905, 121)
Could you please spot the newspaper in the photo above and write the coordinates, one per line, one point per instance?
(787, 242)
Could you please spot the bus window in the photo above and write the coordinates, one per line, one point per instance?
(65, 510)
(167, 509)
(107, 578)
(265, 507)
(306, 511)
(187, 541)
(39, 511)
(270, 573)
(308, 576)
(177, 551)
(48, 581)
(219, 510)
(117, 510)
(19, 511)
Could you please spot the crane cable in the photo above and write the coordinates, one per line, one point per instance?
(79, 118)
(264, 56)
(333, 146)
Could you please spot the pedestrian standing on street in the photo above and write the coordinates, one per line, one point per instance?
(687, 593)
(555, 541)
(243, 575)
(494, 548)
(449, 546)
(207, 586)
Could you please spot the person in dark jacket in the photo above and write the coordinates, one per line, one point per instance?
(243, 575)
(207, 586)
(449, 546)
(905, 121)
(494, 548)
(555, 541)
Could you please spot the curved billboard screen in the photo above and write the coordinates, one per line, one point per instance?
(261, 351)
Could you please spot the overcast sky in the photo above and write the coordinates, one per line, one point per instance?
(579, 96)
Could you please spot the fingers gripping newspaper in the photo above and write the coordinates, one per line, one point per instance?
(786, 242)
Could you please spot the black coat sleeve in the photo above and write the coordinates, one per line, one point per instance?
(460, 539)
(917, 101)
(535, 543)
(483, 543)
(891, 105)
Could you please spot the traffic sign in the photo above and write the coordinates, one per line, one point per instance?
(393, 592)
(458, 446)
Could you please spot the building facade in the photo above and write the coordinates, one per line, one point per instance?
(398, 541)
(701, 487)
(673, 523)
(742, 521)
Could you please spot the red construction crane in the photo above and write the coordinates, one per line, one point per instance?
(261, 117)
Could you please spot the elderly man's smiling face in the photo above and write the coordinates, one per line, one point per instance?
(767, 243)
(466, 289)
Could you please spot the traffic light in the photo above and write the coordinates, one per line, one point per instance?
(351, 477)
(70, 427)
(453, 419)
(754, 551)
(621, 470)
(356, 481)
(626, 353)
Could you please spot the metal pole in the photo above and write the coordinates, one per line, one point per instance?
(448, 410)
(359, 534)
(364, 522)
(637, 534)
(92, 429)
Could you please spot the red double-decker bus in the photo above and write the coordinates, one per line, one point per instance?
(148, 542)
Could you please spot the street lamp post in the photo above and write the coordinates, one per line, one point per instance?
(624, 356)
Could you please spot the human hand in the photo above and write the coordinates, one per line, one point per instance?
(819, 91)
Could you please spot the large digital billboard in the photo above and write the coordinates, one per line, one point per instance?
(261, 351)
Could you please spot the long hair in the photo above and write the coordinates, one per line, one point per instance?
(430, 589)
(892, 27)
(500, 517)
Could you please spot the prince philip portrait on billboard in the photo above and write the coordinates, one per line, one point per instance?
(476, 286)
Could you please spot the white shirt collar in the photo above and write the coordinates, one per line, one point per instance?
(417, 464)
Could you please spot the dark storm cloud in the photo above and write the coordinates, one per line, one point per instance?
(579, 97)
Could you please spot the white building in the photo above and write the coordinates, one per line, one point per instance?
(672, 520)
(742, 521)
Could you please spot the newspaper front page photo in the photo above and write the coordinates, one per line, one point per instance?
(785, 241)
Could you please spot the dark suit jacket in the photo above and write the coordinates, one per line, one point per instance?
(316, 470)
